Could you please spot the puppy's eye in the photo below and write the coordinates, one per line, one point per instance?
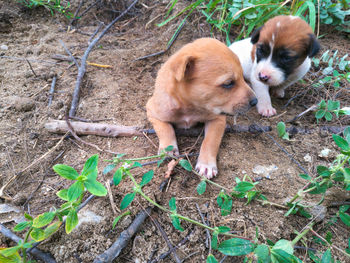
(228, 84)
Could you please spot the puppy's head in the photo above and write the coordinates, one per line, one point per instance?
(209, 76)
(280, 46)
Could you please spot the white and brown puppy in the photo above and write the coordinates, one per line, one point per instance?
(276, 56)
(199, 83)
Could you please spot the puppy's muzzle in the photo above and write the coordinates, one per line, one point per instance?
(242, 108)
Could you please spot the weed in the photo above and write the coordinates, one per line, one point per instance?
(52, 5)
(281, 130)
(46, 224)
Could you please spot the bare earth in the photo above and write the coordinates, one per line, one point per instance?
(120, 94)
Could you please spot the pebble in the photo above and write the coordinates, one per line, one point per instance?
(4, 47)
(265, 170)
(88, 217)
(308, 158)
(20, 103)
(325, 153)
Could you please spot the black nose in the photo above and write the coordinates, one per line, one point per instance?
(253, 102)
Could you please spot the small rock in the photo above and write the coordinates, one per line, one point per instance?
(88, 217)
(308, 158)
(20, 103)
(318, 212)
(325, 153)
(265, 170)
(4, 47)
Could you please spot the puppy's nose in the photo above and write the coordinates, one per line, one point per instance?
(263, 77)
(253, 102)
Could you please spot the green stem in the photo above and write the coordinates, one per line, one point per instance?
(24, 250)
(302, 234)
(143, 158)
(265, 202)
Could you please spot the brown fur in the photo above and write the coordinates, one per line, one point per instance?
(292, 33)
(189, 90)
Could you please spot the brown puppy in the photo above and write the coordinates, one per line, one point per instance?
(199, 83)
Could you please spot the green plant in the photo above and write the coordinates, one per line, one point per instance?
(281, 130)
(246, 14)
(44, 225)
(52, 5)
(334, 13)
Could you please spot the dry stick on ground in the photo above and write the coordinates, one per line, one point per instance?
(165, 237)
(166, 254)
(167, 48)
(82, 68)
(75, 17)
(110, 130)
(313, 107)
(113, 252)
(52, 90)
(31, 68)
(206, 230)
(32, 164)
(45, 257)
(71, 130)
(69, 53)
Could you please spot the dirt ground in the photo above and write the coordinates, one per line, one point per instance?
(119, 95)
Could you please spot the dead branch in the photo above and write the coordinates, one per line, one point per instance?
(31, 68)
(45, 257)
(208, 240)
(52, 90)
(113, 252)
(82, 68)
(111, 130)
(165, 237)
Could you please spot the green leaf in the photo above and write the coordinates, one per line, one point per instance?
(251, 195)
(328, 116)
(281, 129)
(341, 142)
(223, 229)
(37, 234)
(71, 220)
(263, 253)
(327, 256)
(305, 176)
(52, 228)
(244, 187)
(43, 219)
(226, 206)
(90, 165)
(118, 176)
(172, 204)
(127, 200)
(186, 165)
(147, 177)
(333, 105)
(75, 190)
(176, 223)
(136, 164)
(66, 171)
(211, 259)
(27, 216)
(201, 187)
(169, 148)
(116, 220)
(108, 168)
(7, 252)
(21, 226)
(319, 114)
(280, 255)
(63, 194)
(95, 188)
(214, 241)
(345, 218)
(236, 247)
(13, 258)
(323, 171)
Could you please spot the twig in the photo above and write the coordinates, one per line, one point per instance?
(71, 130)
(31, 68)
(69, 53)
(111, 200)
(190, 255)
(167, 48)
(52, 90)
(113, 252)
(88, 8)
(82, 68)
(76, 13)
(45, 257)
(303, 113)
(110, 130)
(206, 230)
(96, 31)
(165, 237)
(164, 255)
(32, 164)
(223, 259)
(31, 60)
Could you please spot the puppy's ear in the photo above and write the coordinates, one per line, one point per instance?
(255, 36)
(314, 46)
(183, 67)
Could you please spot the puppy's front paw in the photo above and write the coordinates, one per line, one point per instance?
(174, 151)
(207, 170)
(266, 110)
